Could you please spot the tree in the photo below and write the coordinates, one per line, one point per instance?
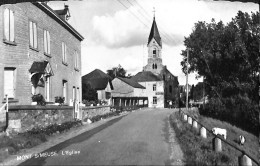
(226, 56)
(88, 93)
(117, 72)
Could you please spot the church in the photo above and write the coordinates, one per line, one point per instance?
(161, 86)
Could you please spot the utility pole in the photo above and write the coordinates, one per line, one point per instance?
(187, 85)
(203, 92)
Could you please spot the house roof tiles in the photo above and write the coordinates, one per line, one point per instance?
(146, 76)
(131, 82)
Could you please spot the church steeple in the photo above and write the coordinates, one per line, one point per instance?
(154, 50)
(154, 33)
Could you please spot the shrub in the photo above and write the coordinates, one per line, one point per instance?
(39, 99)
(59, 99)
(237, 110)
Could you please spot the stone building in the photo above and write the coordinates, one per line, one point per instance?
(40, 53)
(155, 65)
(154, 88)
(125, 87)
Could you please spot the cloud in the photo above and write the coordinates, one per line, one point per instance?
(119, 30)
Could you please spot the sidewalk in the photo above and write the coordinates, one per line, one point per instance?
(54, 140)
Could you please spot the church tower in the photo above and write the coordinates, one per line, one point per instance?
(154, 50)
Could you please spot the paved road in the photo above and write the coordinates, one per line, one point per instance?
(142, 137)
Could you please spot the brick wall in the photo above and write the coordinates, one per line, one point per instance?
(21, 56)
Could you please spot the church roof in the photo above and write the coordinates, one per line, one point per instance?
(154, 33)
(146, 76)
(131, 82)
(97, 79)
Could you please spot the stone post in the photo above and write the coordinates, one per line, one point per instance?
(217, 146)
(203, 132)
(244, 160)
(190, 120)
(185, 117)
(195, 124)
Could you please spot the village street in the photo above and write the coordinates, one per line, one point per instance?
(140, 138)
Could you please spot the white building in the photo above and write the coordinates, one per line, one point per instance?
(154, 88)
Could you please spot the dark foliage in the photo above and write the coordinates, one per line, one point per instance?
(39, 99)
(237, 110)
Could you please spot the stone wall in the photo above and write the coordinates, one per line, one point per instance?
(89, 112)
(26, 117)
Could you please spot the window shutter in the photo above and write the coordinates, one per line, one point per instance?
(9, 83)
(11, 26)
(62, 47)
(35, 35)
(45, 41)
(48, 42)
(31, 33)
(6, 24)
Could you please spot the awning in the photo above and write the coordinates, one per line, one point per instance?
(38, 71)
(42, 67)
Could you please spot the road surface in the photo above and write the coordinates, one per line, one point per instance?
(143, 137)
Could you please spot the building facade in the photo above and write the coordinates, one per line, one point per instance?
(154, 88)
(40, 53)
(155, 65)
(125, 87)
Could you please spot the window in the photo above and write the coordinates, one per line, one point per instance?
(33, 35)
(47, 88)
(76, 60)
(170, 89)
(9, 25)
(154, 87)
(46, 42)
(155, 66)
(154, 52)
(64, 53)
(64, 90)
(154, 100)
(9, 82)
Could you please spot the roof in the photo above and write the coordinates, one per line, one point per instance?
(154, 33)
(44, 7)
(97, 79)
(42, 67)
(131, 82)
(146, 76)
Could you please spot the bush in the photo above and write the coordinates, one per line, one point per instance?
(39, 99)
(59, 99)
(238, 110)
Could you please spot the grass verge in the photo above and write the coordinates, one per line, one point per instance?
(198, 151)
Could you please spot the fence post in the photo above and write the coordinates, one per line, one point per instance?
(185, 117)
(244, 160)
(189, 120)
(217, 146)
(203, 132)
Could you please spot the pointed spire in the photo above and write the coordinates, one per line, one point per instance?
(154, 33)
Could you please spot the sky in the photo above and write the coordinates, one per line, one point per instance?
(116, 31)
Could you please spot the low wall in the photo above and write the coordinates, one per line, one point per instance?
(89, 112)
(26, 117)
